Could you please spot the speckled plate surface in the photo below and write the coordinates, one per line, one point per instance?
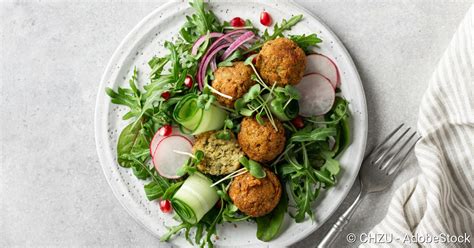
(146, 40)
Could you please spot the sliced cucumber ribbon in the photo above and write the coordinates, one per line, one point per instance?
(198, 120)
(195, 198)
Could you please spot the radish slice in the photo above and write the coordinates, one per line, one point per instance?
(317, 95)
(321, 64)
(157, 138)
(168, 157)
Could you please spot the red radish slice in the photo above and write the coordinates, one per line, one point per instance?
(321, 64)
(158, 137)
(168, 157)
(317, 95)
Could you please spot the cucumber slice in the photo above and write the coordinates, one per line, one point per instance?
(198, 120)
(212, 119)
(195, 198)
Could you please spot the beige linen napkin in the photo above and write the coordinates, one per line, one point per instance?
(438, 202)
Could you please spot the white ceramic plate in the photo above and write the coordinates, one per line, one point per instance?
(146, 40)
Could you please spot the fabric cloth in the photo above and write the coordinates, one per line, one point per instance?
(438, 202)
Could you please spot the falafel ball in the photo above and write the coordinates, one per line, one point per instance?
(233, 81)
(281, 61)
(261, 143)
(253, 196)
(220, 156)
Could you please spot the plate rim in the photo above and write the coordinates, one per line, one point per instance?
(98, 129)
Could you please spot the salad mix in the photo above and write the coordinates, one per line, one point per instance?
(230, 115)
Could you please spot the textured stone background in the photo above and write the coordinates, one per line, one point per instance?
(52, 55)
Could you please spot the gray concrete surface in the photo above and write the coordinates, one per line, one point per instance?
(52, 55)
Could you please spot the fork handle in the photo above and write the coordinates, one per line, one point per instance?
(337, 228)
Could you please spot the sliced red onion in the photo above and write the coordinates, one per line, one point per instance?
(213, 64)
(205, 62)
(223, 41)
(237, 43)
(201, 40)
(228, 37)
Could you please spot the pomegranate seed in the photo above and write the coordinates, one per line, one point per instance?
(188, 81)
(165, 130)
(265, 18)
(237, 22)
(165, 206)
(298, 122)
(166, 95)
(254, 60)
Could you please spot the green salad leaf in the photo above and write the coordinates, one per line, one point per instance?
(131, 140)
(269, 226)
(200, 23)
(306, 41)
(253, 167)
(308, 163)
(278, 29)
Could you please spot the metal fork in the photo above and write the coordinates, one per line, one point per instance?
(378, 171)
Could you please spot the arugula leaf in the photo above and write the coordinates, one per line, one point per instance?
(131, 98)
(174, 59)
(139, 171)
(317, 134)
(231, 213)
(331, 165)
(153, 191)
(208, 223)
(156, 64)
(306, 176)
(339, 118)
(305, 41)
(279, 29)
(228, 61)
(200, 23)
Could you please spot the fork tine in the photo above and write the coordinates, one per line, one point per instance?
(401, 159)
(377, 149)
(382, 158)
(387, 161)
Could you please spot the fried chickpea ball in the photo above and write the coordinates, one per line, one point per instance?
(233, 81)
(253, 196)
(261, 143)
(281, 61)
(220, 156)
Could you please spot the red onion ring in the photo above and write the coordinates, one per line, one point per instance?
(237, 43)
(201, 40)
(205, 62)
